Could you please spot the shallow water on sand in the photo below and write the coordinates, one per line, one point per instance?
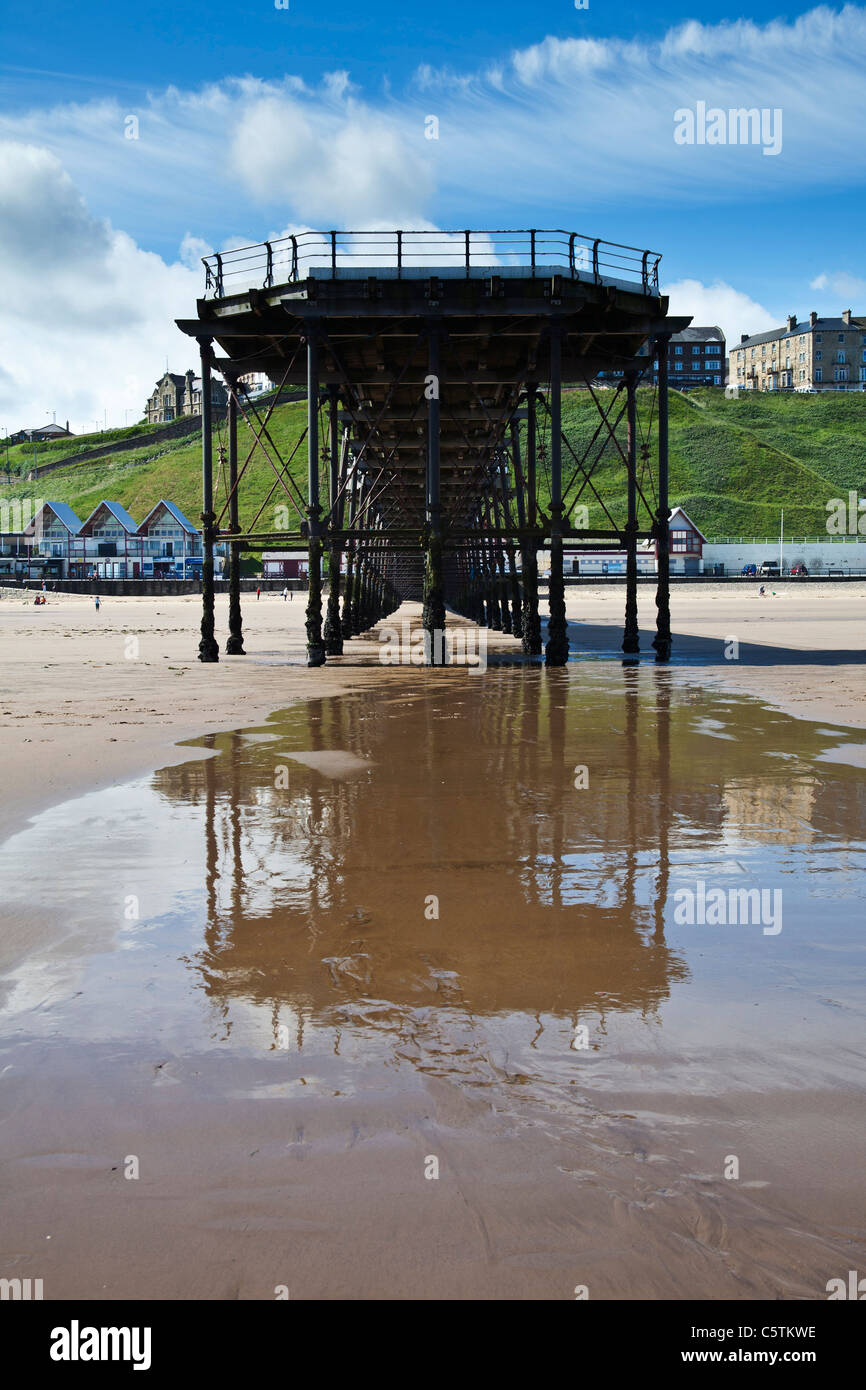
(441, 926)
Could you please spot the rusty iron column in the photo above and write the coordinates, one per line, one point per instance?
(333, 632)
(359, 593)
(235, 642)
(556, 650)
(315, 648)
(494, 608)
(347, 625)
(513, 583)
(500, 523)
(434, 603)
(208, 650)
(662, 639)
(631, 634)
(529, 543)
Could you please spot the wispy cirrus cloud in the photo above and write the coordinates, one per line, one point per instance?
(559, 124)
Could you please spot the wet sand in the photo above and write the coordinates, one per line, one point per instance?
(308, 956)
(77, 712)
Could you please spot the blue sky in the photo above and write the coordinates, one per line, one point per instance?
(252, 120)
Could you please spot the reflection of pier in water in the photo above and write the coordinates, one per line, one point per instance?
(551, 899)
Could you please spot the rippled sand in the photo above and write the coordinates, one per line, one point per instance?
(391, 933)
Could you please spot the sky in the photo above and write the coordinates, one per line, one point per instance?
(135, 139)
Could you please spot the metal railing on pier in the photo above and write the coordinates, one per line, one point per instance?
(404, 253)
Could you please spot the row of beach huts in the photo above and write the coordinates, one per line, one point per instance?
(47, 540)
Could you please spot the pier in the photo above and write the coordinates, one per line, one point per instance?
(437, 467)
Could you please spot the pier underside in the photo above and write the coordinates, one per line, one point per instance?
(434, 441)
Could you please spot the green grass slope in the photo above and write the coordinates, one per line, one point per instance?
(734, 464)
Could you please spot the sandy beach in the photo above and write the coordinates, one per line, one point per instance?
(285, 1037)
(79, 710)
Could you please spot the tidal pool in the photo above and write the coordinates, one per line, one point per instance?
(419, 993)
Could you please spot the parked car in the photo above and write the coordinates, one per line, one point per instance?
(749, 569)
(769, 569)
(799, 568)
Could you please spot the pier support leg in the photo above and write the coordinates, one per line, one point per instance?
(315, 648)
(631, 634)
(434, 602)
(662, 639)
(502, 586)
(512, 585)
(208, 649)
(556, 650)
(235, 642)
(530, 623)
(333, 631)
(347, 620)
(494, 611)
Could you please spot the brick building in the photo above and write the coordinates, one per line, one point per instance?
(175, 395)
(819, 354)
(696, 357)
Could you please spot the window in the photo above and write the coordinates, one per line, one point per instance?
(802, 376)
(840, 338)
(863, 373)
(696, 350)
(840, 357)
(840, 373)
(819, 356)
(714, 348)
(679, 540)
(819, 373)
(678, 366)
(717, 380)
(678, 350)
(787, 362)
(818, 338)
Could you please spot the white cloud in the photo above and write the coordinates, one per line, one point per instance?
(722, 305)
(339, 165)
(88, 316)
(844, 285)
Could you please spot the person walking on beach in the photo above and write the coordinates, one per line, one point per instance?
(258, 594)
(96, 603)
(285, 594)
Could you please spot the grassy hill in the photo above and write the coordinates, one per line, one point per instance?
(734, 464)
(137, 478)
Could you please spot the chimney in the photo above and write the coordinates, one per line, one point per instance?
(846, 315)
(813, 319)
(67, 426)
(744, 337)
(792, 322)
